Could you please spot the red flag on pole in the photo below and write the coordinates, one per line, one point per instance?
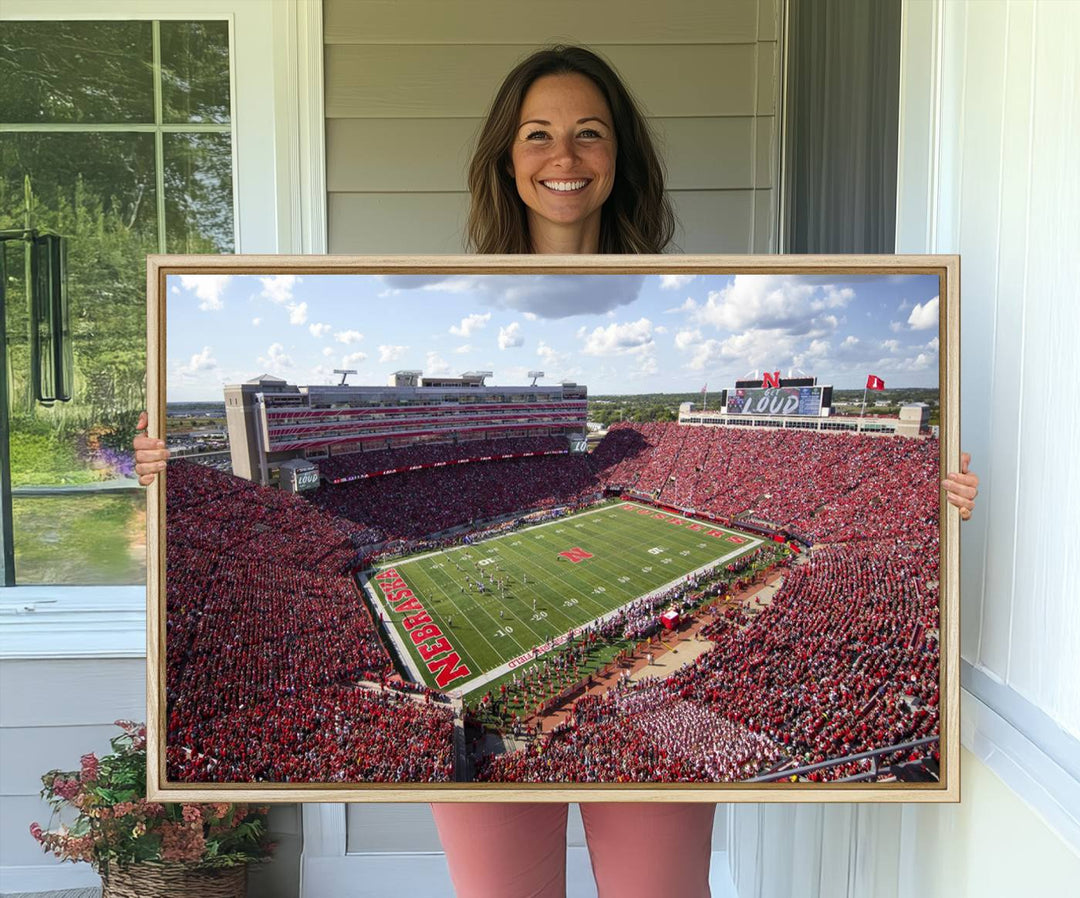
(873, 382)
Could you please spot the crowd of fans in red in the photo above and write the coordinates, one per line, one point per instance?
(845, 658)
(265, 630)
(357, 464)
(831, 487)
(266, 637)
(413, 504)
(637, 733)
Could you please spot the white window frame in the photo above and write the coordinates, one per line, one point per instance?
(276, 89)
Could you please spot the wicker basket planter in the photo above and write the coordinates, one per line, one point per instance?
(148, 880)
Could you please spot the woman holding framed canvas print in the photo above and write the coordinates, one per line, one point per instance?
(565, 164)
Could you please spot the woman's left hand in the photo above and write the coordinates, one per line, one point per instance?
(962, 488)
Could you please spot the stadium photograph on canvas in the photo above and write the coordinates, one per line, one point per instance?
(449, 528)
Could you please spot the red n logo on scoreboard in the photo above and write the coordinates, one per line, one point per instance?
(575, 555)
(770, 379)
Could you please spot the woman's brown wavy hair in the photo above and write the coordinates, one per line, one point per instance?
(637, 216)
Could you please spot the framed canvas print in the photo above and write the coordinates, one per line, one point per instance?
(553, 528)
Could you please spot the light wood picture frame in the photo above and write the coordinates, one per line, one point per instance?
(756, 601)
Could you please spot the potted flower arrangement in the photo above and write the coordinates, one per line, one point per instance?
(144, 848)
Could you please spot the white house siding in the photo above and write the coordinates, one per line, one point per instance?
(408, 83)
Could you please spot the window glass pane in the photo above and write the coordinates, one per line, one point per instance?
(76, 72)
(77, 517)
(195, 71)
(198, 193)
(98, 191)
(81, 539)
(112, 174)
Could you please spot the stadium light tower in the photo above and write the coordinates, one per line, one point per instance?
(535, 375)
(344, 372)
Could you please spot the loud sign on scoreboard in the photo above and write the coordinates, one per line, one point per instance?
(775, 401)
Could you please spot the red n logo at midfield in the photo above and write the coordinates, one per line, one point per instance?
(770, 379)
(575, 554)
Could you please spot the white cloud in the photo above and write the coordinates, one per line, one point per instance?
(660, 329)
(390, 353)
(510, 336)
(436, 364)
(924, 315)
(771, 302)
(551, 357)
(543, 295)
(920, 362)
(647, 365)
(275, 358)
(674, 281)
(933, 345)
(699, 353)
(319, 330)
(353, 358)
(328, 351)
(618, 339)
(348, 337)
(470, 324)
(255, 322)
(201, 361)
(175, 290)
(530, 316)
(297, 312)
(688, 306)
(208, 288)
(754, 348)
(279, 287)
(633, 339)
(896, 326)
(320, 374)
(685, 339)
(461, 350)
(890, 345)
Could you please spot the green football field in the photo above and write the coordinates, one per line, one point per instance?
(463, 617)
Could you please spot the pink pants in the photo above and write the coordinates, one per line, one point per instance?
(519, 850)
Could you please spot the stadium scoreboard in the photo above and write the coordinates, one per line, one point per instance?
(297, 476)
(786, 400)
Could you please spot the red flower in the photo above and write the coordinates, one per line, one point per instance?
(65, 788)
(180, 842)
(89, 767)
(150, 808)
(36, 831)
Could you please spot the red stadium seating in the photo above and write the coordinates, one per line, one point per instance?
(267, 637)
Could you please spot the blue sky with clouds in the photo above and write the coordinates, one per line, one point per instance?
(615, 333)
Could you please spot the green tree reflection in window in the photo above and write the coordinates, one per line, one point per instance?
(124, 133)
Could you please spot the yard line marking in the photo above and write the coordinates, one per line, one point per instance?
(476, 605)
(611, 562)
(496, 672)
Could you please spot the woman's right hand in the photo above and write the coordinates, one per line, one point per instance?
(150, 454)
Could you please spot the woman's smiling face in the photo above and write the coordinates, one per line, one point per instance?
(563, 158)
